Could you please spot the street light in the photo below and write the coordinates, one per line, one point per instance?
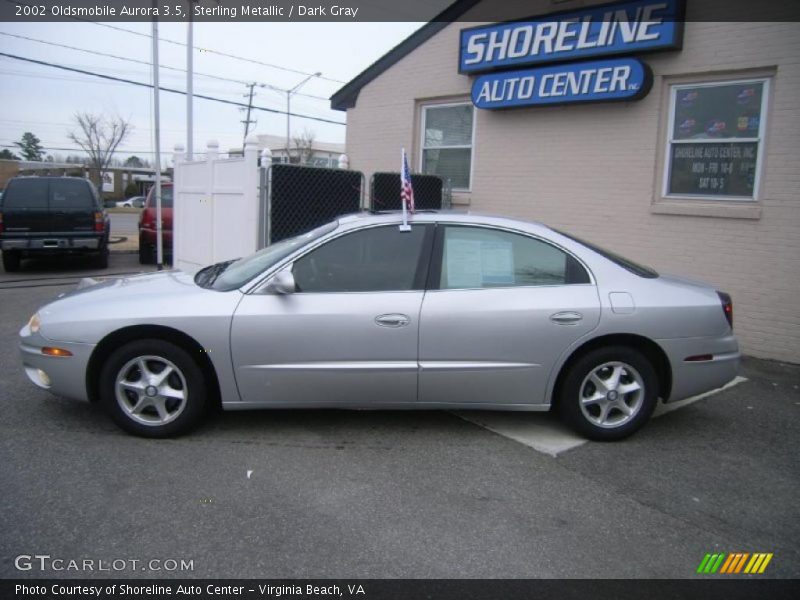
(289, 94)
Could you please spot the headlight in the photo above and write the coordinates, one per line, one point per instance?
(34, 323)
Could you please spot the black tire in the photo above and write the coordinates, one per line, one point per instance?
(604, 419)
(100, 259)
(11, 261)
(178, 416)
(145, 254)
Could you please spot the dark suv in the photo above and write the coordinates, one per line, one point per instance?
(52, 215)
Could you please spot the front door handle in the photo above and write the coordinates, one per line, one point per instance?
(566, 318)
(392, 320)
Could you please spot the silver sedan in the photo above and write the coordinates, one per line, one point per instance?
(460, 312)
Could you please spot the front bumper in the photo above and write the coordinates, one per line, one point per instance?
(60, 375)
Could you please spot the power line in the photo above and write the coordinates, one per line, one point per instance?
(44, 147)
(174, 91)
(210, 51)
(146, 63)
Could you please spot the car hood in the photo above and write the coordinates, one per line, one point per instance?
(169, 298)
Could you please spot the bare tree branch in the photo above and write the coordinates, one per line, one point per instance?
(99, 136)
(304, 144)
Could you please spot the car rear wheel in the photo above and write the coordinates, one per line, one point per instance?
(145, 254)
(11, 261)
(153, 388)
(609, 393)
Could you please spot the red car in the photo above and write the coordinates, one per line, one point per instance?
(147, 225)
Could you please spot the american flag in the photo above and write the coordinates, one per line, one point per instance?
(406, 191)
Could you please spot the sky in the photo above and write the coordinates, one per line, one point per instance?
(44, 99)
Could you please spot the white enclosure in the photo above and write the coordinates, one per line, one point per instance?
(216, 212)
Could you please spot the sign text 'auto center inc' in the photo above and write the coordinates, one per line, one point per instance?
(569, 39)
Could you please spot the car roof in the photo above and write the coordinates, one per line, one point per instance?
(435, 216)
(50, 177)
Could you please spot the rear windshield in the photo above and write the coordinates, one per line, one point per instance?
(70, 194)
(25, 193)
(166, 198)
(635, 268)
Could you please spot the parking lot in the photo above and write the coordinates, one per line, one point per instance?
(393, 494)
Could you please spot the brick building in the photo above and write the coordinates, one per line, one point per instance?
(693, 170)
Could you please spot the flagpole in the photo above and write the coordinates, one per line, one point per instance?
(405, 226)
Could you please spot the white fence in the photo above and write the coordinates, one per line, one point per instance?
(215, 207)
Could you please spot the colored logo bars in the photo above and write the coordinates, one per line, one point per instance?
(735, 562)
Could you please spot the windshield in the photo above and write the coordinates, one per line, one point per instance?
(625, 263)
(230, 275)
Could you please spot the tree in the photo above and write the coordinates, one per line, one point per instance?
(99, 136)
(304, 146)
(131, 190)
(133, 162)
(30, 147)
(6, 154)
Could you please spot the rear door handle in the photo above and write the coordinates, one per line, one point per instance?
(566, 318)
(392, 320)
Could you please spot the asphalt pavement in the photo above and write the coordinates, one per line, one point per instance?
(390, 494)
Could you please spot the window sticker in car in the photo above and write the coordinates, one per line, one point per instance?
(478, 263)
(497, 260)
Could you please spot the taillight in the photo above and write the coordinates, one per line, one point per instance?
(727, 306)
(99, 222)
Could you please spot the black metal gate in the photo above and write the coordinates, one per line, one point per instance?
(430, 192)
(296, 198)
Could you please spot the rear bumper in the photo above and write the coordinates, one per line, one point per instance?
(690, 378)
(51, 244)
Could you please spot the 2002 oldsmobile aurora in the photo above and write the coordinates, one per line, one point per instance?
(463, 311)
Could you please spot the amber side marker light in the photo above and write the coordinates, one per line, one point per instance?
(699, 358)
(55, 351)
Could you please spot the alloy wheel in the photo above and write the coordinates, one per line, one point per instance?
(612, 394)
(151, 390)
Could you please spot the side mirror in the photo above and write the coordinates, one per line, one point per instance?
(281, 283)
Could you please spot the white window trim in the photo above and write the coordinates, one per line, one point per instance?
(471, 146)
(673, 93)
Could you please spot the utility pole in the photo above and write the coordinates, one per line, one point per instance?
(190, 84)
(289, 94)
(247, 121)
(157, 136)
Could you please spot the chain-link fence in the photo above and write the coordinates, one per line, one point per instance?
(430, 192)
(296, 199)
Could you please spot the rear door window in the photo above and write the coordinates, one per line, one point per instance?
(68, 194)
(25, 194)
(166, 198)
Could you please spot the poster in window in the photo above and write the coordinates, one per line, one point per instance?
(713, 169)
(718, 112)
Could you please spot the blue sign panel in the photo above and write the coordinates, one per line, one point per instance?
(595, 81)
(623, 28)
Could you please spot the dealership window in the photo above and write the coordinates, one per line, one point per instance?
(447, 143)
(715, 139)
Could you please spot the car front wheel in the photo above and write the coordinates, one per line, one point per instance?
(609, 393)
(153, 388)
